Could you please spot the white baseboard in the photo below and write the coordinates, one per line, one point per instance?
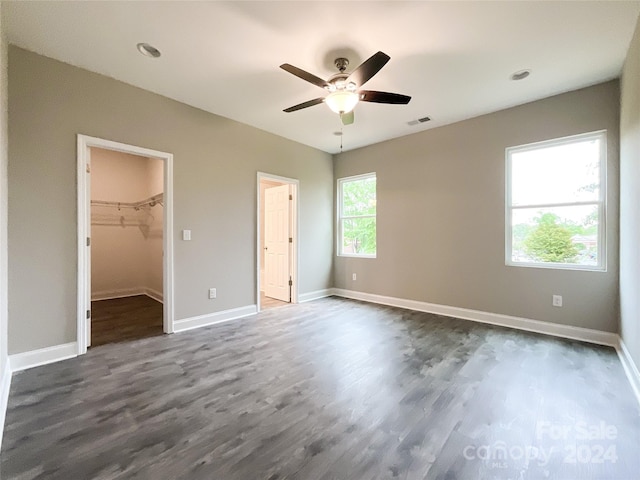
(537, 326)
(309, 296)
(43, 356)
(155, 294)
(121, 293)
(127, 292)
(213, 318)
(630, 368)
(5, 386)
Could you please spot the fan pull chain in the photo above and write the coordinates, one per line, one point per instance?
(341, 135)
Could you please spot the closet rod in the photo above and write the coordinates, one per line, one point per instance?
(151, 201)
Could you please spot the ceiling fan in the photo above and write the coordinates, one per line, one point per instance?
(344, 88)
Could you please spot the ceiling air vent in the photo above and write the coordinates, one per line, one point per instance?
(418, 121)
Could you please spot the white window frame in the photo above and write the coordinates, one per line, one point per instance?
(341, 182)
(601, 202)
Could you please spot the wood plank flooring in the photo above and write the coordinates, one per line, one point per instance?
(333, 389)
(268, 302)
(125, 319)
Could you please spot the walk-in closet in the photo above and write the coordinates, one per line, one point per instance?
(126, 246)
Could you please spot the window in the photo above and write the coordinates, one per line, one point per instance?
(556, 203)
(357, 216)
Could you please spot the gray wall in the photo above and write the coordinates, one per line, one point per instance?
(3, 194)
(630, 200)
(215, 165)
(441, 215)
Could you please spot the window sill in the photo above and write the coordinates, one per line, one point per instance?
(354, 255)
(559, 266)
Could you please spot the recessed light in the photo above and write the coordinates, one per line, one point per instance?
(148, 50)
(521, 75)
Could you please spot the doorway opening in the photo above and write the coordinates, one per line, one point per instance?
(277, 249)
(127, 197)
(125, 251)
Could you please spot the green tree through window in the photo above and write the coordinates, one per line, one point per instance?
(556, 203)
(357, 211)
(550, 242)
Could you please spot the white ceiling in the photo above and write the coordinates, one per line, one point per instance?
(453, 58)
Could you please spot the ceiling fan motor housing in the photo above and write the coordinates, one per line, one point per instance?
(338, 82)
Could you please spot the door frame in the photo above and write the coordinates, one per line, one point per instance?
(84, 144)
(294, 259)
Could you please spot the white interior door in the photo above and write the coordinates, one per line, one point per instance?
(277, 217)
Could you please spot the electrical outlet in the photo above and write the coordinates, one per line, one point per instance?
(354, 276)
(212, 293)
(557, 300)
(186, 234)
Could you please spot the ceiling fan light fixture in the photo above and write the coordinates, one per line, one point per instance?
(343, 87)
(342, 101)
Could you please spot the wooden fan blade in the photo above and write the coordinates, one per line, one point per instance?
(368, 69)
(347, 118)
(300, 106)
(309, 77)
(383, 97)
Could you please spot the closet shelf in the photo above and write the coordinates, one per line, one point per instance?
(126, 214)
(151, 202)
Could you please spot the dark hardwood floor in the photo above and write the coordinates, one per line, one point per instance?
(125, 319)
(328, 390)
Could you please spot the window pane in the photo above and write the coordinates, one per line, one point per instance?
(359, 236)
(555, 235)
(556, 174)
(359, 197)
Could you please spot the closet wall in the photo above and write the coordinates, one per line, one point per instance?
(126, 244)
